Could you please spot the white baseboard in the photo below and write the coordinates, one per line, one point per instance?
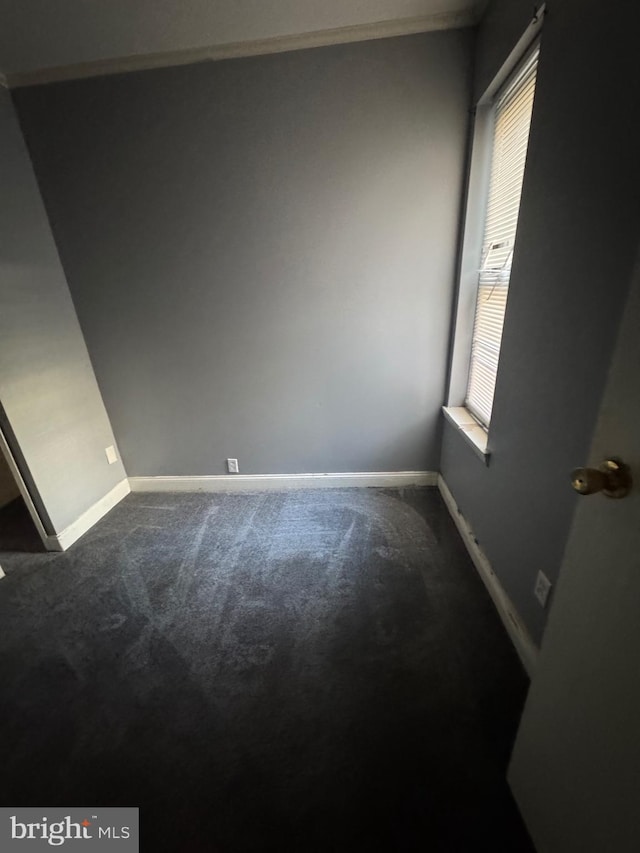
(2, 574)
(276, 482)
(524, 645)
(63, 540)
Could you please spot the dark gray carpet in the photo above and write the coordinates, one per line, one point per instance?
(301, 671)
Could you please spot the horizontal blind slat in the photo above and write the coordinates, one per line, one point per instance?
(513, 109)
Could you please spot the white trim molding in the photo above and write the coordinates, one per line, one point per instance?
(279, 482)
(66, 538)
(2, 574)
(524, 645)
(256, 47)
(475, 434)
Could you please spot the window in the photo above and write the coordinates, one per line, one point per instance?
(511, 112)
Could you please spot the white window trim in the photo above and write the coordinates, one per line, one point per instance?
(455, 412)
(473, 432)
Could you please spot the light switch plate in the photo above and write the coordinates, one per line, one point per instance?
(112, 456)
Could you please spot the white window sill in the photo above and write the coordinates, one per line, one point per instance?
(474, 434)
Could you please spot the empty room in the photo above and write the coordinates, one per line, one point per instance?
(319, 391)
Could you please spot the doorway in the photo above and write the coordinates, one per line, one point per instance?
(21, 528)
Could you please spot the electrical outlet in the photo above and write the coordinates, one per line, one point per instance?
(112, 456)
(232, 466)
(542, 588)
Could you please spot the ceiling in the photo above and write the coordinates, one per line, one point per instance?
(80, 37)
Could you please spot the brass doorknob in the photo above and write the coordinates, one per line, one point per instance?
(612, 478)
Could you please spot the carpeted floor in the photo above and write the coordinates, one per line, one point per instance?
(308, 671)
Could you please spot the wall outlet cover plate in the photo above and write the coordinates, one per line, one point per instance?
(542, 588)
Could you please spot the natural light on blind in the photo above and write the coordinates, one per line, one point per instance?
(512, 114)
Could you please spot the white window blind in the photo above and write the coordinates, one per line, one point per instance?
(512, 116)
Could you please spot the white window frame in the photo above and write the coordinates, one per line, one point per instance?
(510, 115)
(468, 425)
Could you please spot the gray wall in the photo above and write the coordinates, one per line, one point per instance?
(261, 251)
(50, 402)
(578, 227)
